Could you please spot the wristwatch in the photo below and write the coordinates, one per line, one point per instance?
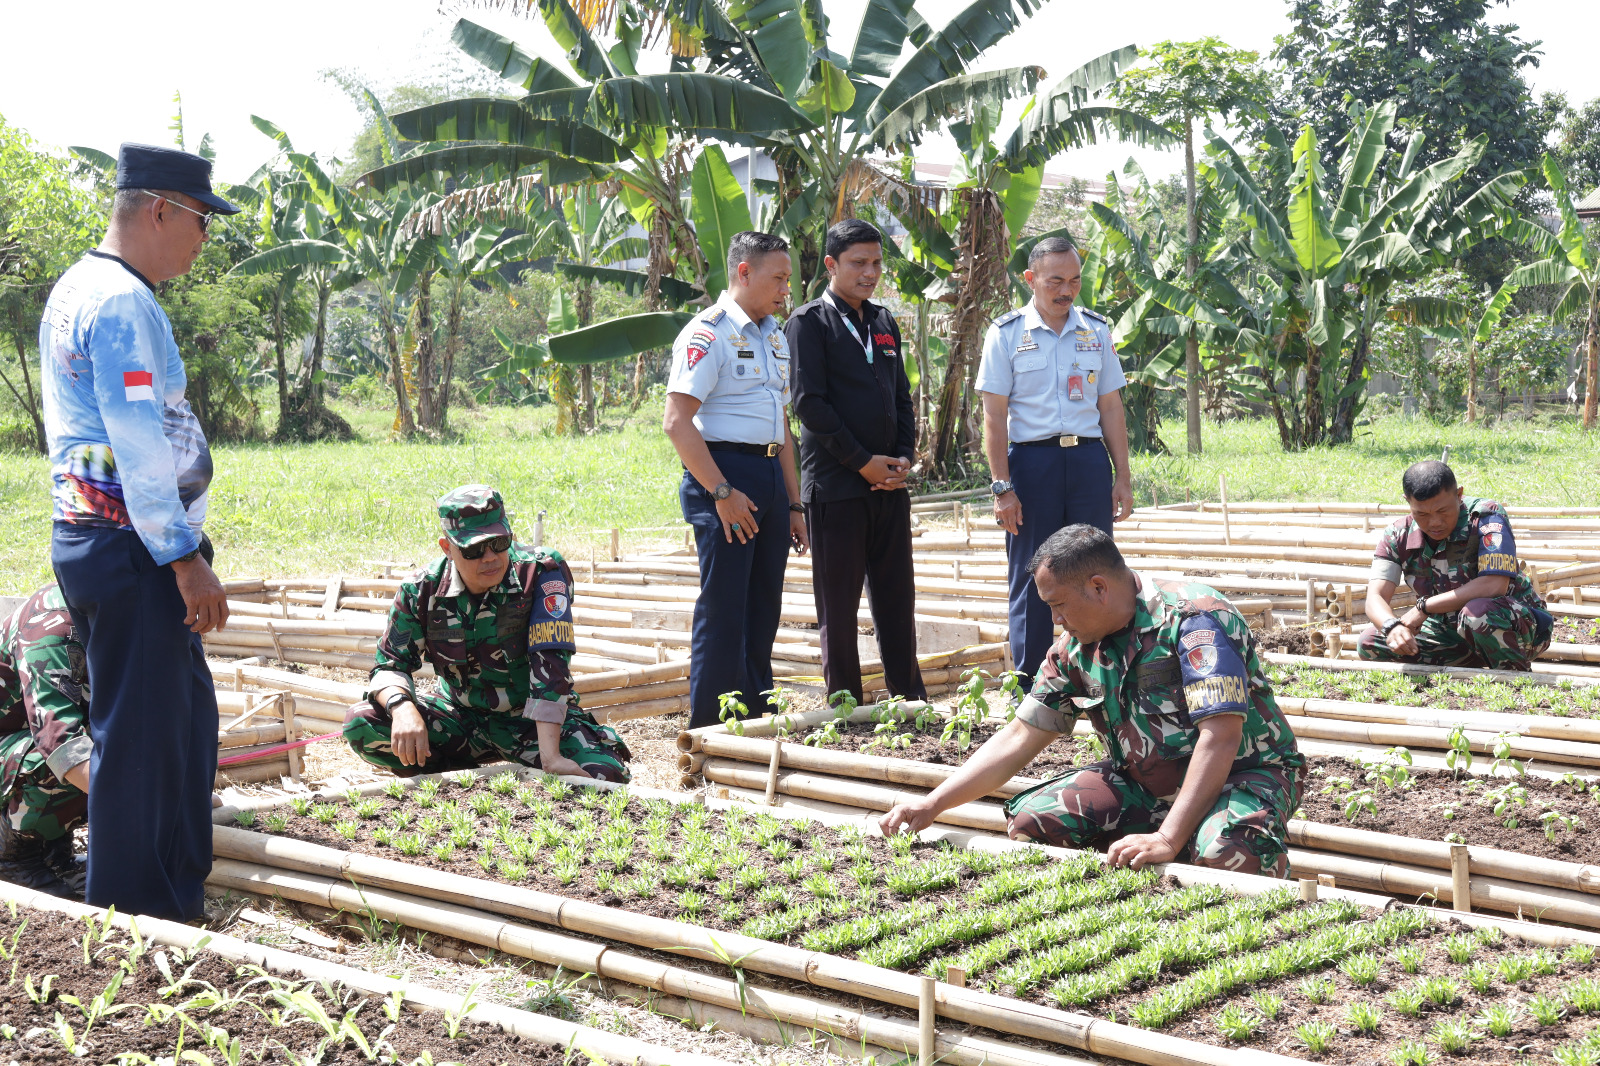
(722, 491)
(396, 699)
(798, 508)
(1422, 604)
(1389, 627)
(999, 488)
(189, 558)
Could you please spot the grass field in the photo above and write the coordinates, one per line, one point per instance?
(317, 509)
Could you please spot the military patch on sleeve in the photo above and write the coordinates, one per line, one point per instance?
(700, 342)
(1497, 553)
(1215, 680)
(550, 625)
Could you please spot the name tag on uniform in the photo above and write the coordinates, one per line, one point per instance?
(1027, 343)
(746, 353)
(1075, 387)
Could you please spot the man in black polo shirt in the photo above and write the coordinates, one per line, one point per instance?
(858, 431)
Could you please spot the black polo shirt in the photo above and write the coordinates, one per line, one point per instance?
(849, 409)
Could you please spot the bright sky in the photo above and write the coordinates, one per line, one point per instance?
(109, 69)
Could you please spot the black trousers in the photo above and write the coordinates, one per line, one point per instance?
(867, 538)
(153, 719)
(741, 589)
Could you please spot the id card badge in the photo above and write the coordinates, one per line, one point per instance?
(1075, 387)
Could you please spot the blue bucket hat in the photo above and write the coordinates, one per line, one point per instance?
(150, 166)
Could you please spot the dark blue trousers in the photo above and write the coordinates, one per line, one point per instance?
(153, 720)
(741, 588)
(1056, 487)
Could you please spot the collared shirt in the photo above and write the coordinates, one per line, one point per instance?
(125, 449)
(849, 409)
(1186, 655)
(1050, 380)
(739, 371)
(44, 682)
(1480, 543)
(509, 650)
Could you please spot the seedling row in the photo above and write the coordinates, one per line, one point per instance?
(85, 991)
(1071, 933)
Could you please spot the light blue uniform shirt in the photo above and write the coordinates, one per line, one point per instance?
(738, 369)
(1051, 381)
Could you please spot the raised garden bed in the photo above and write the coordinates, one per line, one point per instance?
(1525, 814)
(1066, 933)
(81, 991)
(1437, 690)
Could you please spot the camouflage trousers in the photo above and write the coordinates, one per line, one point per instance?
(1503, 633)
(460, 738)
(35, 801)
(1245, 830)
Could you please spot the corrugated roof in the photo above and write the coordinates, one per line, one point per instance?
(1589, 206)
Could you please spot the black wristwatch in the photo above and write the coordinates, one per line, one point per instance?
(798, 508)
(395, 700)
(189, 558)
(1389, 626)
(722, 491)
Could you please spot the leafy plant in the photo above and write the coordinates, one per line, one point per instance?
(1460, 948)
(1411, 1053)
(1546, 1010)
(1500, 1018)
(1268, 1004)
(1453, 1035)
(1316, 989)
(1316, 1036)
(1363, 1017)
(1409, 957)
(1362, 969)
(1237, 1024)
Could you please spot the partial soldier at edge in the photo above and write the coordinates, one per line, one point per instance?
(1474, 605)
(44, 745)
(1201, 765)
(494, 618)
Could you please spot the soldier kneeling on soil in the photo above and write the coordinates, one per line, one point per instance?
(1474, 606)
(44, 745)
(1201, 764)
(494, 618)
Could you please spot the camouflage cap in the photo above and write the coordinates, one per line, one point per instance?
(473, 513)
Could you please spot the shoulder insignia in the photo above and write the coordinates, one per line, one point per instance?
(717, 315)
(1096, 315)
(1009, 316)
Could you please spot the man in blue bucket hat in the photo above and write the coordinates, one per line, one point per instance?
(129, 470)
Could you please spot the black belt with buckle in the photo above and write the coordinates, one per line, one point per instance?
(1060, 440)
(768, 450)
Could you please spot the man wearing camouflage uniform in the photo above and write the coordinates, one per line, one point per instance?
(494, 619)
(1474, 606)
(44, 745)
(1201, 765)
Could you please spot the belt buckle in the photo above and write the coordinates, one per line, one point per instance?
(1067, 440)
(773, 450)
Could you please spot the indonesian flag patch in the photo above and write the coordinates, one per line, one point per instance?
(138, 385)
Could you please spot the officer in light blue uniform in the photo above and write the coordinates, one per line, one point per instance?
(1054, 430)
(727, 416)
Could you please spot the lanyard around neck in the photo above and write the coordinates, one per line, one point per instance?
(844, 313)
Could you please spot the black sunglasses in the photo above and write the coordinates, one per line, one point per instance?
(499, 545)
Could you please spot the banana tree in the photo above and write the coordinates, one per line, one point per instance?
(1327, 258)
(1570, 260)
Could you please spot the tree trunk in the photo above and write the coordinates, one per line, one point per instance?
(1191, 267)
(285, 415)
(1591, 366)
(452, 345)
(983, 282)
(427, 408)
(31, 402)
(1344, 413)
(585, 308)
(1472, 382)
(403, 421)
(1311, 414)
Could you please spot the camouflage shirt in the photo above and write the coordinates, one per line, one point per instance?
(44, 681)
(1480, 544)
(1187, 655)
(508, 650)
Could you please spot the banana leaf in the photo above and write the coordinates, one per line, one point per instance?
(507, 122)
(501, 160)
(620, 338)
(719, 209)
(678, 101)
(880, 38)
(931, 108)
(506, 58)
(632, 282)
(946, 52)
(291, 255)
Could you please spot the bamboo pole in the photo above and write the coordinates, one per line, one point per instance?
(846, 764)
(926, 1035)
(1532, 725)
(986, 816)
(1460, 878)
(1541, 674)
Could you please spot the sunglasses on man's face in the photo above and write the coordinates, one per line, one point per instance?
(204, 216)
(499, 545)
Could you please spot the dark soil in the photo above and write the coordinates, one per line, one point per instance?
(1286, 640)
(50, 945)
(1436, 805)
(1437, 691)
(926, 745)
(1527, 1042)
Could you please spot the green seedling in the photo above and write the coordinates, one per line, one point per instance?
(1503, 747)
(1439, 991)
(1480, 975)
(1577, 1053)
(1514, 969)
(395, 789)
(348, 829)
(301, 805)
(1408, 1001)
(244, 819)
(1316, 1036)
(1363, 969)
(1363, 1017)
(1268, 1004)
(1409, 957)
(1316, 989)
(1500, 1018)
(1359, 802)
(1460, 948)
(1546, 1010)
(1411, 1053)
(277, 823)
(367, 808)
(466, 780)
(1583, 995)
(1580, 954)
(1545, 962)
(1458, 759)
(1237, 1024)
(1552, 822)
(1453, 1035)
(732, 712)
